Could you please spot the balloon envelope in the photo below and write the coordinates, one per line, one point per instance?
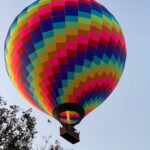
(65, 56)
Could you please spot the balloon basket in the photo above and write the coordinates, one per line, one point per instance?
(70, 134)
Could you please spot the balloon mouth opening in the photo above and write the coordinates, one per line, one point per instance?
(69, 114)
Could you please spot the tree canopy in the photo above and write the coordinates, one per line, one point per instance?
(18, 130)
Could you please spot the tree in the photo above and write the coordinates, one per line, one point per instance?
(47, 146)
(17, 128)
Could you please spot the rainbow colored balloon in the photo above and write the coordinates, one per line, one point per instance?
(65, 56)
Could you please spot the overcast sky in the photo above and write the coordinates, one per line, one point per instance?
(122, 122)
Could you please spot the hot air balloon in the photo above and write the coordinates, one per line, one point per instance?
(65, 57)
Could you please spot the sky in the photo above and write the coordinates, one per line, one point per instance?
(122, 122)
